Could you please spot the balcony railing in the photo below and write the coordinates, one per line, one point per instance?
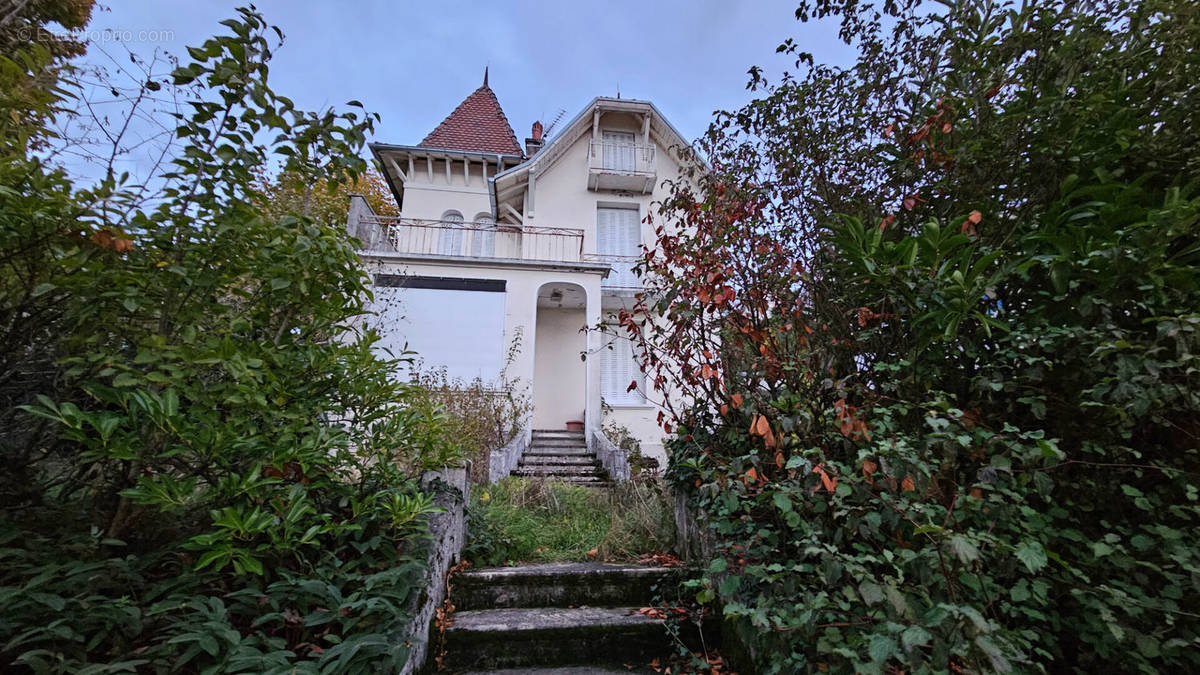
(415, 236)
(621, 166)
(622, 276)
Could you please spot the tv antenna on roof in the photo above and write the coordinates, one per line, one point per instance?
(557, 119)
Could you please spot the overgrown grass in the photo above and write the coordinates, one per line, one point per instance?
(519, 520)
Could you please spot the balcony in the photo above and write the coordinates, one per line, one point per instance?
(621, 166)
(456, 239)
(621, 279)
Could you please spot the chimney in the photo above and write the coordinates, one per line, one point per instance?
(535, 143)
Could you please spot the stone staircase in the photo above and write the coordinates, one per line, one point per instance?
(555, 618)
(562, 456)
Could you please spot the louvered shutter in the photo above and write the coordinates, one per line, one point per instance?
(618, 151)
(617, 369)
(618, 236)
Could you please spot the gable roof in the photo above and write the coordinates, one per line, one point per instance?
(476, 125)
(661, 130)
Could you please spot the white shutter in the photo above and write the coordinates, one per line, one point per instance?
(608, 378)
(618, 237)
(617, 369)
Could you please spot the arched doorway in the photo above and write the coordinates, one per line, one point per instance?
(559, 370)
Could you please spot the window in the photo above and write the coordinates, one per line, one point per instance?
(618, 238)
(451, 238)
(483, 236)
(618, 151)
(618, 368)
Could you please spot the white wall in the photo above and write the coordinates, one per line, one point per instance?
(429, 200)
(462, 331)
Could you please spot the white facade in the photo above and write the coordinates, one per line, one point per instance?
(533, 247)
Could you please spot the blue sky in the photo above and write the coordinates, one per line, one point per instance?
(413, 62)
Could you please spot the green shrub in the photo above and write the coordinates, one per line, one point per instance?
(207, 467)
(935, 316)
(484, 415)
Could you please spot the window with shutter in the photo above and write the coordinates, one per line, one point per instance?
(618, 237)
(618, 368)
(618, 151)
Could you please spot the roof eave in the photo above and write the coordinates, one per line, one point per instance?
(421, 149)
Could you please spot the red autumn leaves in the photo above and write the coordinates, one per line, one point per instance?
(850, 425)
(761, 428)
(968, 226)
(736, 400)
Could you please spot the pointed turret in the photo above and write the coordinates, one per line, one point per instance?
(478, 124)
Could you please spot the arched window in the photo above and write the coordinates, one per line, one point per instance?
(483, 239)
(451, 238)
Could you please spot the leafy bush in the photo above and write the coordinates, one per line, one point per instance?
(935, 317)
(208, 467)
(483, 415)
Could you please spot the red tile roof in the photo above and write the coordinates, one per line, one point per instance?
(477, 125)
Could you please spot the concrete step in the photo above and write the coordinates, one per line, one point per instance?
(558, 470)
(555, 451)
(558, 443)
(560, 584)
(572, 460)
(556, 433)
(567, 670)
(553, 636)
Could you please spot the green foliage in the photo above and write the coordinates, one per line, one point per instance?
(325, 201)
(208, 468)
(480, 416)
(940, 348)
(518, 520)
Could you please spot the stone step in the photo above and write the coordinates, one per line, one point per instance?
(567, 670)
(556, 432)
(558, 443)
(552, 636)
(558, 470)
(560, 450)
(597, 478)
(560, 584)
(574, 460)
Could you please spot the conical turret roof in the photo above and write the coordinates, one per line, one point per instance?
(478, 124)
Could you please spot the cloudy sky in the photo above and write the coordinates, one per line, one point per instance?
(413, 62)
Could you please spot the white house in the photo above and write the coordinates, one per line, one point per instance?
(498, 243)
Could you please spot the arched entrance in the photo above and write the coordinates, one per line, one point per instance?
(559, 371)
